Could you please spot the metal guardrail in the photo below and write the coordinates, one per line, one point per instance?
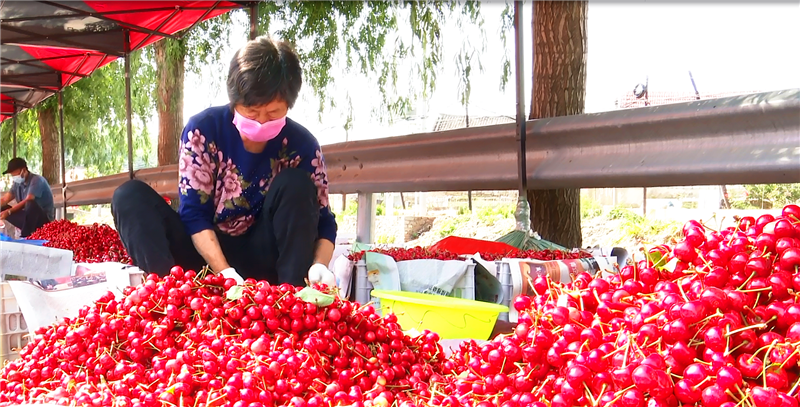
(735, 140)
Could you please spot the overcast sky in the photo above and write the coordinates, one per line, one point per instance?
(728, 47)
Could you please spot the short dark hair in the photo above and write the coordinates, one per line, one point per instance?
(262, 71)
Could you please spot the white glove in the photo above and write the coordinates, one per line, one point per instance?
(319, 273)
(231, 273)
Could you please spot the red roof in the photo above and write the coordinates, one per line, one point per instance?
(656, 98)
(47, 46)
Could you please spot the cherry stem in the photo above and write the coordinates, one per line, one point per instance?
(753, 274)
(728, 353)
(747, 328)
(794, 388)
(756, 290)
(788, 358)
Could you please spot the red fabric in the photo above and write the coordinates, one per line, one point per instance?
(69, 60)
(464, 245)
(6, 107)
(153, 20)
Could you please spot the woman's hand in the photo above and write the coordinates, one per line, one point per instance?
(231, 273)
(319, 273)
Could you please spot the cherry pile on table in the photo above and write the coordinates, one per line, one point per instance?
(417, 253)
(713, 321)
(196, 340)
(89, 243)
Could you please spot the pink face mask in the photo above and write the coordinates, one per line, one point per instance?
(256, 131)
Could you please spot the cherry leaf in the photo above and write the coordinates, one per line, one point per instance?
(235, 292)
(313, 296)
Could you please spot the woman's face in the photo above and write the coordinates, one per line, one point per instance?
(263, 113)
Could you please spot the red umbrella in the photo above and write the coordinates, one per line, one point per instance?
(49, 45)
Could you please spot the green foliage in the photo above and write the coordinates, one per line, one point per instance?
(767, 196)
(507, 27)
(94, 119)
(383, 239)
(489, 215)
(449, 226)
(639, 228)
(590, 208)
(351, 209)
(380, 209)
(372, 38)
(623, 213)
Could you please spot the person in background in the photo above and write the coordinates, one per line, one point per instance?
(253, 185)
(34, 199)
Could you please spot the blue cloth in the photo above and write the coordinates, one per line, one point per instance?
(38, 186)
(223, 186)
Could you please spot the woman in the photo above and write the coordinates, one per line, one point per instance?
(253, 187)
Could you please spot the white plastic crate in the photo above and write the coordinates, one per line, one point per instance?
(13, 329)
(464, 287)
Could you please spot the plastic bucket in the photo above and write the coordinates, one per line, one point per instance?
(451, 318)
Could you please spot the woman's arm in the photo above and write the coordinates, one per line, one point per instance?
(324, 252)
(197, 175)
(208, 246)
(327, 227)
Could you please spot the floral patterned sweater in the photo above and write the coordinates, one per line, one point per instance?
(223, 186)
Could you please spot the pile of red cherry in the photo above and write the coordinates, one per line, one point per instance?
(713, 322)
(195, 340)
(417, 253)
(89, 243)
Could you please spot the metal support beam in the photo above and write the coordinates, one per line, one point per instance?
(14, 134)
(365, 218)
(750, 139)
(128, 107)
(522, 135)
(63, 155)
(644, 202)
(253, 21)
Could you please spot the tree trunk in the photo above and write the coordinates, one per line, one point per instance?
(559, 89)
(170, 59)
(51, 156)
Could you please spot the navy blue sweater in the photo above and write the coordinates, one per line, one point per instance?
(223, 185)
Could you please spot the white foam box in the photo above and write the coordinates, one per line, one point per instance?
(36, 262)
(42, 307)
(13, 329)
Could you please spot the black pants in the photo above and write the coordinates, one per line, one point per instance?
(279, 247)
(29, 219)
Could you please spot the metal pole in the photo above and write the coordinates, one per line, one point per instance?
(63, 153)
(253, 21)
(365, 217)
(128, 108)
(644, 202)
(519, 40)
(14, 135)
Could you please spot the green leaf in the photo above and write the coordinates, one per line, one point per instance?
(313, 296)
(229, 205)
(234, 293)
(203, 197)
(658, 259)
(241, 201)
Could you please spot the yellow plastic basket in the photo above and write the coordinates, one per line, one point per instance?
(451, 318)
